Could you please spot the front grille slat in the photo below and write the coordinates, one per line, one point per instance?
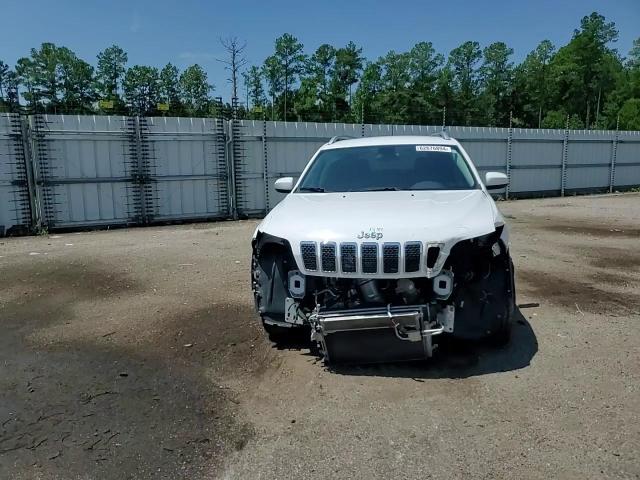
(309, 255)
(348, 253)
(328, 257)
(390, 257)
(369, 257)
(412, 254)
(432, 256)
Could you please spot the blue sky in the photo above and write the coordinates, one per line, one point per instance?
(155, 32)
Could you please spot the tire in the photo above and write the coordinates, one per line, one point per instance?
(502, 334)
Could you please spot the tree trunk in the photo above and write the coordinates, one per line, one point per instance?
(286, 87)
(540, 117)
(586, 124)
(598, 106)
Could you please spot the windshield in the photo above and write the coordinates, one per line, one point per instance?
(388, 167)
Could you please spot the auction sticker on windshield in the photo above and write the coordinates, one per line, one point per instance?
(433, 148)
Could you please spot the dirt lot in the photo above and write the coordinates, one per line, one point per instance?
(136, 354)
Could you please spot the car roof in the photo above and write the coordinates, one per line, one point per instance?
(389, 140)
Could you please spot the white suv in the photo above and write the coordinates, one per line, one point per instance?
(383, 244)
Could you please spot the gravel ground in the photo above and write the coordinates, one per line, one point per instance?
(136, 354)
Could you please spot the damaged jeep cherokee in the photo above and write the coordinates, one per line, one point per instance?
(383, 246)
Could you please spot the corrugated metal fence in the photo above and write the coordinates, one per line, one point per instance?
(60, 171)
(15, 196)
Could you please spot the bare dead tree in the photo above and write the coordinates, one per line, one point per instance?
(234, 61)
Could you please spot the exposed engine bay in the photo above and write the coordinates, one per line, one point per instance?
(360, 319)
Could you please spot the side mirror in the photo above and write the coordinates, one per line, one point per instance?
(284, 184)
(495, 180)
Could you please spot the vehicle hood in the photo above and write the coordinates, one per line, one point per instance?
(431, 217)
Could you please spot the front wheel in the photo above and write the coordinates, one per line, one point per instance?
(502, 334)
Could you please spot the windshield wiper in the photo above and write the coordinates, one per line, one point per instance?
(382, 189)
(311, 189)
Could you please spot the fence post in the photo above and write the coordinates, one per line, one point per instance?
(265, 166)
(29, 163)
(41, 171)
(139, 170)
(231, 166)
(224, 190)
(508, 168)
(614, 154)
(565, 154)
(141, 161)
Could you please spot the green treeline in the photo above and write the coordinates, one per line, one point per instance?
(586, 83)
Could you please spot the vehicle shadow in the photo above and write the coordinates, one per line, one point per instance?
(460, 359)
(453, 358)
(297, 339)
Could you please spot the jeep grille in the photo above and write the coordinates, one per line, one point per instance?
(324, 257)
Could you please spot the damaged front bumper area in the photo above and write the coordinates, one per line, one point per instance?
(359, 319)
(378, 334)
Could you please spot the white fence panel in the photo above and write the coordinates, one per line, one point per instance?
(589, 159)
(536, 161)
(15, 212)
(82, 169)
(188, 175)
(627, 168)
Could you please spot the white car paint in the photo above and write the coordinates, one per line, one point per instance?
(495, 180)
(440, 217)
(284, 184)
